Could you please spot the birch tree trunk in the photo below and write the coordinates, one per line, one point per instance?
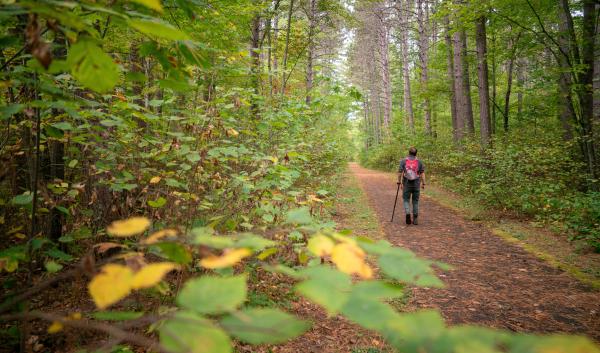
(482, 75)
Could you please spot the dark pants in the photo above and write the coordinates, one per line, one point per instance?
(406, 194)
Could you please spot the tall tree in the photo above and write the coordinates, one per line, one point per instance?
(451, 81)
(383, 41)
(482, 75)
(404, 9)
(423, 23)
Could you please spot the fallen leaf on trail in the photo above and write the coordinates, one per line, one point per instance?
(55, 327)
(128, 227)
(228, 259)
(155, 180)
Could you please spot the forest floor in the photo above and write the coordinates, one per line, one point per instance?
(495, 282)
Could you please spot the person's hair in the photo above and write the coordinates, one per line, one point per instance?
(412, 151)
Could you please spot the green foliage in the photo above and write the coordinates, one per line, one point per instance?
(213, 295)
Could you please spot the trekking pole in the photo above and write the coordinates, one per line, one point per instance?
(395, 201)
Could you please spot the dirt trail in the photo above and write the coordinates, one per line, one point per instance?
(493, 283)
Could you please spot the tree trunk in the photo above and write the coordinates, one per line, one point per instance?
(596, 84)
(482, 75)
(586, 85)
(255, 56)
(385, 73)
(422, 19)
(452, 84)
(312, 23)
(509, 74)
(287, 45)
(459, 89)
(521, 66)
(565, 98)
(408, 105)
(466, 86)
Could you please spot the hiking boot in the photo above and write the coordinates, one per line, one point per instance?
(415, 219)
(407, 219)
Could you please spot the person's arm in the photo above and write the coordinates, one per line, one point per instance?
(423, 180)
(400, 177)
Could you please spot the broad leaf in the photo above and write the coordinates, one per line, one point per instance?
(158, 29)
(187, 332)
(264, 325)
(213, 295)
(91, 66)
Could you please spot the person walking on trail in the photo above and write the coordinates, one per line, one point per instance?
(411, 177)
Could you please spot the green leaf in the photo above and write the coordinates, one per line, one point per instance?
(58, 254)
(158, 29)
(410, 270)
(63, 210)
(263, 325)
(414, 332)
(52, 266)
(326, 287)
(10, 110)
(299, 216)
(117, 315)
(254, 242)
(92, 67)
(63, 125)
(187, 332)
(378, 290)
(23, 199)
(158, 203)
(53, 132)
(72, 163)
(151, 4)
(368, 312)
(213, 295)
(173, 251)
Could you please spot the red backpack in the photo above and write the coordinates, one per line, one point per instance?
(411, 169)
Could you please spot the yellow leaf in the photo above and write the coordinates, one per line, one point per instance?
(232, 132)
(151, 275)
(350, 259)
(154, 237)
(111, 285)
(55, 327)
(228, 259)
(128, 227)
(320, 245)
(155, 180)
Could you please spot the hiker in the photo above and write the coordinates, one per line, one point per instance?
(411, 176)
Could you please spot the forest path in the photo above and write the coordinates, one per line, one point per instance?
(494, 283)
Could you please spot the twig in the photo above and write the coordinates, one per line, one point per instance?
(86, 324)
